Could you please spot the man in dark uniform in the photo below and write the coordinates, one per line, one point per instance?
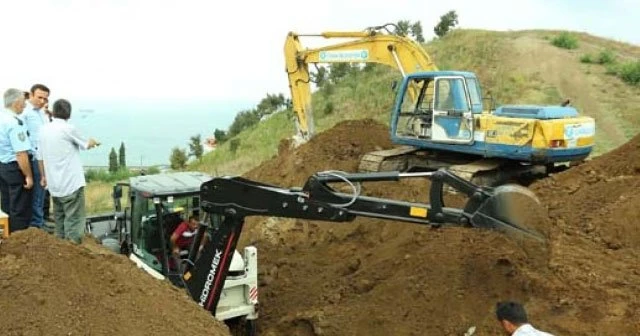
(16, 177)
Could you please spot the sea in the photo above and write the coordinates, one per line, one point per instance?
(148, 129)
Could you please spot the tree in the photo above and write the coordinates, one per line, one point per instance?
(270, 104)
(340, 70)
(220, 135)
(113, 160)
(320, 76)
(122, 161)
(447, 22)
(243, 120)
(416, 31)
(178, 158)
(403, 27)
(195, 147)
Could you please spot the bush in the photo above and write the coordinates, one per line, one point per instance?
(328, 108)
(630, 72)
(106, 176)
(233, 145)
(586, 58)
(606, 57)
(153, 170)
(565, 40)
(612, 69)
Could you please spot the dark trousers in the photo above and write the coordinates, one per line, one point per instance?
(16, 200)
(47, 204)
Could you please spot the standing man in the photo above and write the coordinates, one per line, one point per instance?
(47, 195)
(60, 144)
(513, 318)
(16, 178)
(35, 117)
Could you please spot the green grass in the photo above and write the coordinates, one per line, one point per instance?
(256, 144)
(103, 175)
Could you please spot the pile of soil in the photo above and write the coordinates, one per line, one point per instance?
(369, 276)
(376, 277)
(53, 287)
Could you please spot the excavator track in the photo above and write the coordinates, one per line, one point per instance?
(395, 159)
(481, 171)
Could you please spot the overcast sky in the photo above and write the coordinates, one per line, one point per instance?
(186, 49)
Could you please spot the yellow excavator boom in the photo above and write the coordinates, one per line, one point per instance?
(369, 46)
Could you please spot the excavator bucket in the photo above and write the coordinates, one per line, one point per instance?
(514, 210)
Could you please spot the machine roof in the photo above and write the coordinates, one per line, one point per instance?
(442, 73)
(167, 184)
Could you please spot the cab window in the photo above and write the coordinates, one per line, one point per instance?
(451, 95)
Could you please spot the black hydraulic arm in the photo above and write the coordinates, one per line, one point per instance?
(228, 200)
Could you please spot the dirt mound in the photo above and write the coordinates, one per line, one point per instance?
(52, 287)
(599, 198)
(374, 277)
(624, 160)
(335, 150)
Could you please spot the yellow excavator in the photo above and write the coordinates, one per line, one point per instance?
(396, 51)
(439, 119)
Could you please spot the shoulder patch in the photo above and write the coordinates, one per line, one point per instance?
(22, 136)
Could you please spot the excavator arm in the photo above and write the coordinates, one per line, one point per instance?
(369, 46)
(229, 200)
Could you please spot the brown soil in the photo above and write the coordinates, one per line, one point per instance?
(52, 287)
(368, 277)
(375, 277)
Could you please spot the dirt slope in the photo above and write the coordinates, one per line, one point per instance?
(373, 277)
(591, 91)
(51, 287)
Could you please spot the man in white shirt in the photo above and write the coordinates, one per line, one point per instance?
(59, 149)
(513, 318)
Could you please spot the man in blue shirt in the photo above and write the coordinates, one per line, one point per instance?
(35, 116)
(16, 177)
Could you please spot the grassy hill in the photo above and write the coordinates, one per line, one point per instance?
(514, 67)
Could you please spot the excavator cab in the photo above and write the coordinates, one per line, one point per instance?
(438, 107)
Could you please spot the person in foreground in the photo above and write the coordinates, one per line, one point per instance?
(513, 318)
(60, 144)
(16, 177)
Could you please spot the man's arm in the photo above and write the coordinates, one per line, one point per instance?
(43, 178)
(25, 167)
(175, 249)
(80, 140)
(174, 246)
(21, 144)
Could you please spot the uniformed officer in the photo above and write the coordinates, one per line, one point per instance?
(16, 178)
